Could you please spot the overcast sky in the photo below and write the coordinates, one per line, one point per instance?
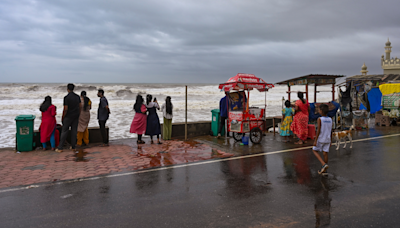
(199, 41)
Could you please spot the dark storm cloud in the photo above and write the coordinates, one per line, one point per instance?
(191, 41)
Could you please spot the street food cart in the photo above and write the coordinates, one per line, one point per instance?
(243, 119)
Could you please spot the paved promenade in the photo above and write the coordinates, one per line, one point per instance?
(27, 168)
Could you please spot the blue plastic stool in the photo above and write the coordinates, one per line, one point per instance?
(245, 140)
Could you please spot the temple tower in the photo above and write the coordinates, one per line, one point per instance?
(390, 66)
(388, 49)
(364, 70)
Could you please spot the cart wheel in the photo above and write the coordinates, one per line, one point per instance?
(237, 136)
(256, 135)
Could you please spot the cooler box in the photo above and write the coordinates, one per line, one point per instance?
(24, 136)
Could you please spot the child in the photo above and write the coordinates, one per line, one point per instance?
(323, 139)
(287, 119)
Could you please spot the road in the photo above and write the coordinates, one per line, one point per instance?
(275, 189)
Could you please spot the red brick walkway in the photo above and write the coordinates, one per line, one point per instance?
(46, 166)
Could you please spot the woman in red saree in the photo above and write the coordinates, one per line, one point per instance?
(300, 119)
(48, 126)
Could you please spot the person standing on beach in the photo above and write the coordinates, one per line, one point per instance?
(223, 115)
(166, 108)
(138, 125)
(300, 120)
(48, 126)
(70, 117)
(153, 121)
(84, 117)
(103, 113)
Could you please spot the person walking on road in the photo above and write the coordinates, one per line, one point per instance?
(138, 125)
(166, 108)
(324, 137)
(223, 115)
(153, 121)
(70, 117)
(48, 126)
(84, 118)
(103, 113)
(300, 120)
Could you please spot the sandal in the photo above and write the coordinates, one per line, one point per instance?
(152, 142)
(159, 143)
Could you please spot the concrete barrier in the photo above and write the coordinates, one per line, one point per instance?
(94, 136)
(194, 129)
(203, 128)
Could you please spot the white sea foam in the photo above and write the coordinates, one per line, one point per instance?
(18, 99)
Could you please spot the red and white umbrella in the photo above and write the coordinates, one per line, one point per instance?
(245, 82)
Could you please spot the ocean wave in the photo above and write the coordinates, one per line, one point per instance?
(124, 92)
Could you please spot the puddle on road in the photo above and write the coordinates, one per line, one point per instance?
(192, 143)
(80, 156)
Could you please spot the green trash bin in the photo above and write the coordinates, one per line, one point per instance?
(25, 130)
(215, 121)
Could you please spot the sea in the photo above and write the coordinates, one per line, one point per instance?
(25, 99)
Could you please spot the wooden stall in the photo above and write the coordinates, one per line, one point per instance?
(311, 79)
(359, 88)
(306, 80)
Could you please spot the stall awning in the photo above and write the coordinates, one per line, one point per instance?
(245, 82)
(319, 79)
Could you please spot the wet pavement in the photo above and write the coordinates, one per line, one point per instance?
(27, 168)
(278, 188)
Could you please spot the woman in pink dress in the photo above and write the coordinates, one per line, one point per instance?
(48, 126)
(139, 122)
(300, 119)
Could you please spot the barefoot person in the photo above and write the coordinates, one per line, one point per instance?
(300, 120)
(103, 113)
(48, 126)
(138, 125)
(84, 118)
(323, 139)
(70, 117)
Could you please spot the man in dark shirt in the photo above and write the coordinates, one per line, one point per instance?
(223, 115)
(102, 115)
(70, 117)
